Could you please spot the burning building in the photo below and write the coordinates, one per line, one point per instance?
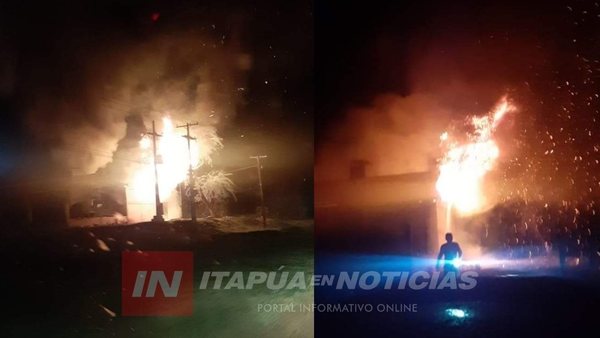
(161, 162)
(100, 122)
(411, 211)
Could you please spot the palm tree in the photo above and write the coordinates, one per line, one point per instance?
(212, 188)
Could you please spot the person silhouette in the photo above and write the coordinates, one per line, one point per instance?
(449, 252)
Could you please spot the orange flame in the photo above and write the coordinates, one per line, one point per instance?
(464, 166)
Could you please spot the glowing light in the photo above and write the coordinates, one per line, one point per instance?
(456, 262)
(456, 313)
(464, 166)
(173, 163)
(145, 142)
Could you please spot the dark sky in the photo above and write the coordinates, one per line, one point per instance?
(545, 55)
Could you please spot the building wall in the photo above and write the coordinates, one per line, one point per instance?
(391, 213)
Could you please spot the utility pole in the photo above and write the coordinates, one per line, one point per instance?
(159, 209)
(260, 185)
(190, 171)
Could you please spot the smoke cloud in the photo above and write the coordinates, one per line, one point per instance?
(395, 135)
(432, 82)
(186, 76)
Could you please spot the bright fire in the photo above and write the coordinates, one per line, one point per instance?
(464, 165)
(173, 162)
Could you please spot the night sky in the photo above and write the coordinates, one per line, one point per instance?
(464, 56)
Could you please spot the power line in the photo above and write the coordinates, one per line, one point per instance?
(240, 169)
(260, 185)
(159, 209)
(190, 171)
